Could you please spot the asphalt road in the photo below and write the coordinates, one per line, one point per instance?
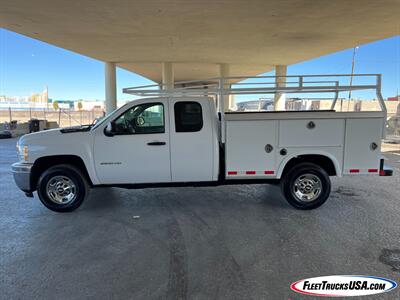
(232, 242)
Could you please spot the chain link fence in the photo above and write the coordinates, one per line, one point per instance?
(58, 118)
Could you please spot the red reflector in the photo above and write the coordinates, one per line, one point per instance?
(372, 170)
(382, 173)
(232, 173)
(354, 171)
(250, 172)
(268, 172)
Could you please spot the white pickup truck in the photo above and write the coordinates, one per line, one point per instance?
(179, 139)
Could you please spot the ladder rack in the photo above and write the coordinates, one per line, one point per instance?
(219, 87)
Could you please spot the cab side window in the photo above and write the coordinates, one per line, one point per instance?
(145, 118)
(188, 116)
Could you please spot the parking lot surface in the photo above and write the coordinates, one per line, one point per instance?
(229, 242)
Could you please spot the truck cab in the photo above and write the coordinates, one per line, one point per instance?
(158, 140)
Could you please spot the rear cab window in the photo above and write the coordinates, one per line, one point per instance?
(188, 116)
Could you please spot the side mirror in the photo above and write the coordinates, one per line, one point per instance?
(110, 129)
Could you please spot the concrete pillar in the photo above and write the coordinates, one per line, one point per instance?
(279, 100)
(111, 86)
(168, 75)
(224, 71)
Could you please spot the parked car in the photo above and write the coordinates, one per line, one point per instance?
(5, 134)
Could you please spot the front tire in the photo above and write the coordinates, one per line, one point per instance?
(306, 186)
(62, 188)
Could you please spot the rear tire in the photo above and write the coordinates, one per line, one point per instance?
(306, 186)
(62, 188)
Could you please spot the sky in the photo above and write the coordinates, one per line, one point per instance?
(28, 65)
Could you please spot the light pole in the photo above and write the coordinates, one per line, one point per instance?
(352, 73)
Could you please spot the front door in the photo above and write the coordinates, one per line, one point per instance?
(139, 151)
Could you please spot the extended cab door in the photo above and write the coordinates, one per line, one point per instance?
(193, 140)
(138, 152)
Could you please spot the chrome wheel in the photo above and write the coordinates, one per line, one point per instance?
(61, 190)
(307, 187)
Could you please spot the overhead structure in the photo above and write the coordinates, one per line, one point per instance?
(167, 76)
(197, 36)
(110, 86)
(280, 81)
(224, 72)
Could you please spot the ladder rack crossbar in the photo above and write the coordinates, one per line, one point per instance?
(242, 85)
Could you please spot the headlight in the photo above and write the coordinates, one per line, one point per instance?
(22, 152)
(25, 152)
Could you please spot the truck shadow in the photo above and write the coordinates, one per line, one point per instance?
(106, 198)
(273, 197)
(102, 198)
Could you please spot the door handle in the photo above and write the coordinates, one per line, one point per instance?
(156, 143)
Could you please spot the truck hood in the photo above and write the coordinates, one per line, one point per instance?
(52, 133)
(66, 141)
(35, 137)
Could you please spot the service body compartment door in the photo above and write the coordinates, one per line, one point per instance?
(362, 146)
(251, 149)
(311, 132)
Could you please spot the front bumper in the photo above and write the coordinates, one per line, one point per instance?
(22, 176)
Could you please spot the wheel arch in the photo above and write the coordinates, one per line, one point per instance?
(43, 163)
(325, 160)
